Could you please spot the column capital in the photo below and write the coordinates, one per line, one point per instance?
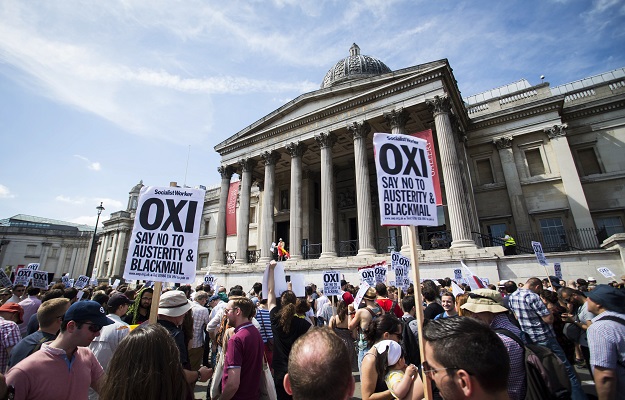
(439, 104)
(270, 157)
(247, 164)
(359, 130)
(225, 171)
(397, 117)
(556, 131)
(503, 142)
(296, 149)
(325, 139)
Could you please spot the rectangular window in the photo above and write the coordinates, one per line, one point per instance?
(203, 261)
(611, 225)
(484, 171)
(31, 250)
(534, 162)
(588, 162)
(496, 231)
(284, 199)
(252, 215)
(552, 233)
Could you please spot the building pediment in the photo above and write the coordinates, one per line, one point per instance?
(325, 109)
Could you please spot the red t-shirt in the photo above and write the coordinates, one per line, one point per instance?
(386, 305)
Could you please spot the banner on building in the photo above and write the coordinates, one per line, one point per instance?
(165, 235)
(231, 208)
(405, 188)
(436, 180)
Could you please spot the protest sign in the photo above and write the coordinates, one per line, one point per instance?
(71, 283)
(33, 266)
(367, 274)
(332, 283)
(606, 272)
(65, 280)
(557, 269)
(405, 188)
(165, 235)
(23, 277)
(298, 285)
(81, 282)
(114, 285)
(457, 274)
(4, 279)
(79, 295)
(380, 272)
(40, 279)
(397, 260)
(540, 256)
(210, 280)
(364, 286)
(279, 279)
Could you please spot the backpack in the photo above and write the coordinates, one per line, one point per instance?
(410, 343)
(545, 375)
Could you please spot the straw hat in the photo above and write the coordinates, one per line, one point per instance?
(484, 300)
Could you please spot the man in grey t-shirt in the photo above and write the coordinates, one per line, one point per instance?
(581, 317)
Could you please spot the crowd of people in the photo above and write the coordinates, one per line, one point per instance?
(98, 342)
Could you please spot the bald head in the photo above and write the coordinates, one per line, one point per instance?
(314, 354)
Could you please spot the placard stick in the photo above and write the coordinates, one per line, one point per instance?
(548, 279)
(156, 298)
(333, 309)
(414, 255)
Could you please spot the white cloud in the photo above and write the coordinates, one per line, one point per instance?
(66, 199)
(5, 193)
(110, 204)
(95, 166)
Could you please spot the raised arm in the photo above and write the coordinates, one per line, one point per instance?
(271, 286)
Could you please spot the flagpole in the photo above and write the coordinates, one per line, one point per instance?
(414, 254)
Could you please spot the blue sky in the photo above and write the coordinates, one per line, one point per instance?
(95, 96)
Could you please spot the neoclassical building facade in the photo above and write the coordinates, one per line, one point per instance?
(543, 163)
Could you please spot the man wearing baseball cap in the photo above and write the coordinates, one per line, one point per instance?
(606, 340)
(172, 308)
(64, 368)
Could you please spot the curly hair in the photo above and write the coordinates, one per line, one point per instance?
(288, 300)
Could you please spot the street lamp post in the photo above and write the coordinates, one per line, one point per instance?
(91, 261)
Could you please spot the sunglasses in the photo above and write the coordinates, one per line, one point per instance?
(95, 328)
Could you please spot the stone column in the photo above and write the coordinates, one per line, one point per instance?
(266, 237)
(72, 261)
(45, 250)
(110, 270)
(220, 239)
(328, 203)
(243, 224)
(513, 184)
(359, 131)
(118, 267)
(397, 119)
(296, 150)
(456, 200)
(59, 265)
(570, 178)
(107, 243)
(98, 257)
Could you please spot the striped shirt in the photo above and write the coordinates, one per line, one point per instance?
(9, 337)
(606, 341)
(529, 310)
(200, 318)
(262, 316)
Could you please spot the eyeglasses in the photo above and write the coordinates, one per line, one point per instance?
(227, 310)
(430, 372)
(95, 328)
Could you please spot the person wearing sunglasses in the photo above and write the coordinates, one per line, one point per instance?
(466, 359)
(64, 368)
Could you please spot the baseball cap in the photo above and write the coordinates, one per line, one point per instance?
(394, 350)
(607, 296)
(87, 310)
(213, 298)
(117, 300)
(174, 304)
(348, 298)
(14, 308)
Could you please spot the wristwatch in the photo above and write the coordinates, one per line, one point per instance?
(199, 376)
